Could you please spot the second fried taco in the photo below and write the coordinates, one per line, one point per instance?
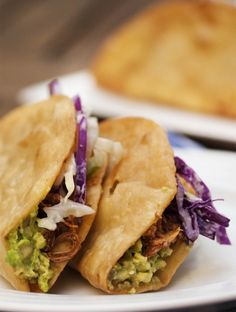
(152, 209)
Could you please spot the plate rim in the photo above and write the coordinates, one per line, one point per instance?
(86, 81)
(18, 303)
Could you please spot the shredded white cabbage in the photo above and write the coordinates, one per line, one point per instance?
(114, 150)
(57, 213)
(69, 178)
(86, 109)
(92, 134)
(67, 164)
(98, 158)
(67, 172)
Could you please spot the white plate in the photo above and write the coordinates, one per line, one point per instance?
(207, 276)
(105, 104)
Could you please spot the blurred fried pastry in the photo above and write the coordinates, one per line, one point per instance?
(181, 53)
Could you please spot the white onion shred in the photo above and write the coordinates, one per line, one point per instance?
(92, 134)
(69, 178)
(114, 150)
(57, 213)
(86, 109)
(67, 165)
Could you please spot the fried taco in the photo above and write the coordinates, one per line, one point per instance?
(51, 168)
(176, 53)
(152, 209)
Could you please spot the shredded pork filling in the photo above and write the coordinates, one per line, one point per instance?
(66, 233)
(160, 235)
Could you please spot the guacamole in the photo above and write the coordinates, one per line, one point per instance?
(134, 269)
(25, 253)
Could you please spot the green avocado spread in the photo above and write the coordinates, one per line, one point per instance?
(25, 253)
(134, 269)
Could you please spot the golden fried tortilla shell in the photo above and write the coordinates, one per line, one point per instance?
(135, 195)
(179, 53)
(34, 143)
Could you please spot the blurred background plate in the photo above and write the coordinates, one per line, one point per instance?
(105, 104)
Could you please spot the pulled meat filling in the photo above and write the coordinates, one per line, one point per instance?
(66, 233)
(70, 238)
(53, 198)
(160, 235)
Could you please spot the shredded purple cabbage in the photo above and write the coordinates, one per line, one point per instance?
(197, 213)
(78, 105)
(81, 144)
(80, 155)
(54, 87)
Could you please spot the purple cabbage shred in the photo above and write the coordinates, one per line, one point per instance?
(80, 155)
(197, 213)
(81, 144)
(54, 87)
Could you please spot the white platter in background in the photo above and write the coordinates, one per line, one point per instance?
(106, 104)
(208, 275)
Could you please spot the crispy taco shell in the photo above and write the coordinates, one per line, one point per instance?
(35, 141)
(135, 195)
(178, 53)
